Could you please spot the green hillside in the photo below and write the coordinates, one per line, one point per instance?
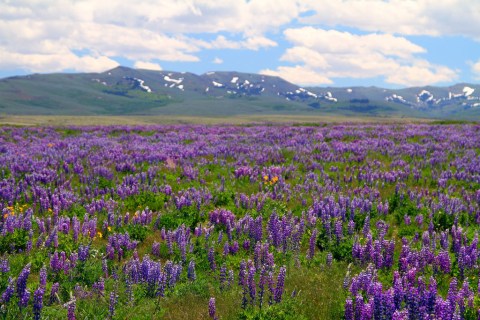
(126, 91)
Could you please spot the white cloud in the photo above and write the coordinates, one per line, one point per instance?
(144, 31)
(476, 70)
(217, 60)
(35, 36)
(251, 43)
(147, 65)
(54, 62)
(332, 41)
(421, 73)
(321, 55)
(299, 75)
(407, 17)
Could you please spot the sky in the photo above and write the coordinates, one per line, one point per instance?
(389, 43)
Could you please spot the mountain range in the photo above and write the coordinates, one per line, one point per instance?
(126, 91)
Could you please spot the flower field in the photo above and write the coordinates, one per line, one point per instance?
(240, 222)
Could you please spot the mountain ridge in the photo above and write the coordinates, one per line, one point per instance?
(127, 91)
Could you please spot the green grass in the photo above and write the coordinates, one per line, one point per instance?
(298, 120)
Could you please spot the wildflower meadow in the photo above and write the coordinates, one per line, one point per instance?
(329, 221)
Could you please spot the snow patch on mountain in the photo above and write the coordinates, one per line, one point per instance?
(99, 81)
(234, 80)
(142, 85)
(177, 81)
(396, 98)
(328, 96)
(425, 96)
(217, 84)
(467, 91)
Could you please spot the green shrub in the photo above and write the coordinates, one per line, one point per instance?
(14, 242)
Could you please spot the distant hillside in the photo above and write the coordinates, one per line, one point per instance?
(125, 91)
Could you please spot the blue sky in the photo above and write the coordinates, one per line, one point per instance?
(390, 43)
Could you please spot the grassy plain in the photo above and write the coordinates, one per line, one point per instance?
(32, 120)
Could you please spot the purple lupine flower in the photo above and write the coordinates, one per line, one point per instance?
(257, 253)
(339, 230)
(8, 293)
(4, 265)
(212, 309)
(226, 248)
(211, 258)
(156, 249)
(359, 303)
(388, 304)
(412, 299)
(38, 302)
(22, 281)
(191, 275)
(242, 273)
(223, 276)
(43, 277)
(234, 247)
(24, 299)
(349, 309)
(280, 284)
(251, 284)
(54, 293)
(366, 226)
(169, 242)
(71, 305)
(351, 227)
(113, 303)
(400, 315)
(367, 311)
(431, 296)
(55, 263)
(83, 252)
(443, 261)
(329, 259)
(242, 280)
(129, 290)
(75, 228)
(261, 286)
(312, 244)
(99, 286)
(105, 268)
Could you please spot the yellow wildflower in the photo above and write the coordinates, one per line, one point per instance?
(100, 235)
